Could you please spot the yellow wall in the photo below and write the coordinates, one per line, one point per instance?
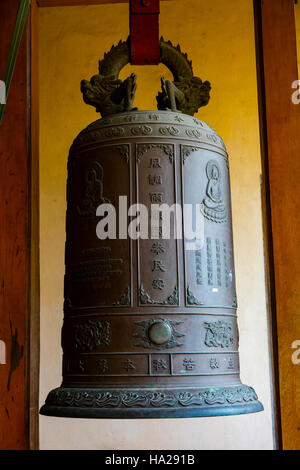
(219, 37)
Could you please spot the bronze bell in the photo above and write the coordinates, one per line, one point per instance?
(150, 327)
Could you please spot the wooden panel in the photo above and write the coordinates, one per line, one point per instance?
(34, 268)
(13, 240)
(280, 124)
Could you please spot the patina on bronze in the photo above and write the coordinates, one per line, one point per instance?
(150, 328)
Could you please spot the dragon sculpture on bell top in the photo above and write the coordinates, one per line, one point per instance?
(110, 95)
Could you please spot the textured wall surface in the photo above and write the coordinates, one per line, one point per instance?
(219, 37)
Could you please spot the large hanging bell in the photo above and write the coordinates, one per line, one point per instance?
(150, 327)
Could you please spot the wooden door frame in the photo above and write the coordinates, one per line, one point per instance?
(280, 143)
(19, 261)
(276, 47)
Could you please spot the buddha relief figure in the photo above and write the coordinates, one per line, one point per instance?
(93, 192)
(213, 205)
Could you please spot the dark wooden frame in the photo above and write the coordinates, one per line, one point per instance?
(19, 259)
(280, 143)
(19, 210)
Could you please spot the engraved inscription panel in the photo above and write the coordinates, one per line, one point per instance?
(157, 256)
(196, 364)
(97, 270)
(153, 364)
(109, 365)
(209, 267)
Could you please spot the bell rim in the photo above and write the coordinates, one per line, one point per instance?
(246, 406)
(138, 413)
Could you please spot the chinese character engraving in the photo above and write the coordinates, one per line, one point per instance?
(128, 365)
(155, 179)
(226, 273)
(156, 232)
(159, 364)
(198, 262)
(158, 284)
(209, 262)
(189, 364)
(156, 214)
(158, 265)
(154, 117)
(155, 163)
(156, 197)
(230, 363)
(218, 257)
(214, 363)
(158, 248)
(102, 365)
